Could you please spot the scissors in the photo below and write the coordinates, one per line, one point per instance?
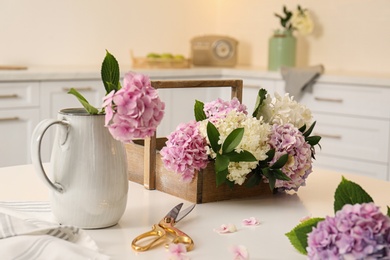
(165, 227)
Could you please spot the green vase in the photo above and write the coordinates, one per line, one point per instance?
(281, 50)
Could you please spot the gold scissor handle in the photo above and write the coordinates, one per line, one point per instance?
(157, 232)
(179, 236)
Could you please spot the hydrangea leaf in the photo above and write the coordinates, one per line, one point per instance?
(349, 192)
(298, 235)
(110, 73)
(88, 107)
(388, 211)
(221, 168)
(308, 132)
(302, 129)
(279, 175)
(232, 140)
(280, 162)
(221, 163)
(213, 135)
(199, 111)
(259, 102)
(253, 180)
(243, 156)
(271, 178)
(313, 140)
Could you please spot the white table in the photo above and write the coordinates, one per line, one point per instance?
(278, 214)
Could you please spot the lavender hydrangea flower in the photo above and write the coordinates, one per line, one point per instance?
(357, 231)
(185, 151)
(135, 110)
(288, 139)
(220, 108)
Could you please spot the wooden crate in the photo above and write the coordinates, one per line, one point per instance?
(146, 167)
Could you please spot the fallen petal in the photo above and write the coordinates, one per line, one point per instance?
(252, 221)
(239, 252)
(229, 228)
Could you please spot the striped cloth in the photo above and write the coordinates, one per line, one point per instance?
(25, 234)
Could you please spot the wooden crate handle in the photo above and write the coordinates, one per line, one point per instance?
(236, 86)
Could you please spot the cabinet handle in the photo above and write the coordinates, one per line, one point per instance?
(79, 89)
(9, 96)
(328, 135)
(15, 118)
(336, 100)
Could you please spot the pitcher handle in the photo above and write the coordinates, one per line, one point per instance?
(36, 143)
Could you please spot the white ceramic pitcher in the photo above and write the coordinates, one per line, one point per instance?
(88, 179)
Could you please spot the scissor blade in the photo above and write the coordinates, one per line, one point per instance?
(185, 212)
(175, 211)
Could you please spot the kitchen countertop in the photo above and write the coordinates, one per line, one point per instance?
(278, 214)
(247, 72)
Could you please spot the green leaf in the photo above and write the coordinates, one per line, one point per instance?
(298, 235)
(302, 129)
(221, 177)
(308, 132)
(110, 73)
(198, 111)
(232, 140)
(89, 108)
(213, 135)
(259, 102)
(221, 163)
(349, 192)
(388, 211)
(280, 162)
(271, 178)
(229, 183)
(265, 171)
(270, 155)
(313, 140)
(279, 175)
(253, 180)
(243, 156)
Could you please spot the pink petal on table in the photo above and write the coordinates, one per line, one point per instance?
(239, 252)
(229, 228)
(177, 252)
(252, 221)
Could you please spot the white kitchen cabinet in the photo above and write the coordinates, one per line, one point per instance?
(16, 127)
(54, 97)
(19, 113)
(354, 122)
(19, 94)
(347, 99)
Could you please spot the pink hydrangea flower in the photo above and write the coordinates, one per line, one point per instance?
(239, 252)
(288, 139)
(185, 151)
(219, 108)
(135, 110)
(357, 231)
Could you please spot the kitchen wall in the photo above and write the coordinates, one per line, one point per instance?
(350, 35)
(77, 32)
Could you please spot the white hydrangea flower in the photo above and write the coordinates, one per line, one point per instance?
(302, 22)
(284, 109)
(255, 139)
